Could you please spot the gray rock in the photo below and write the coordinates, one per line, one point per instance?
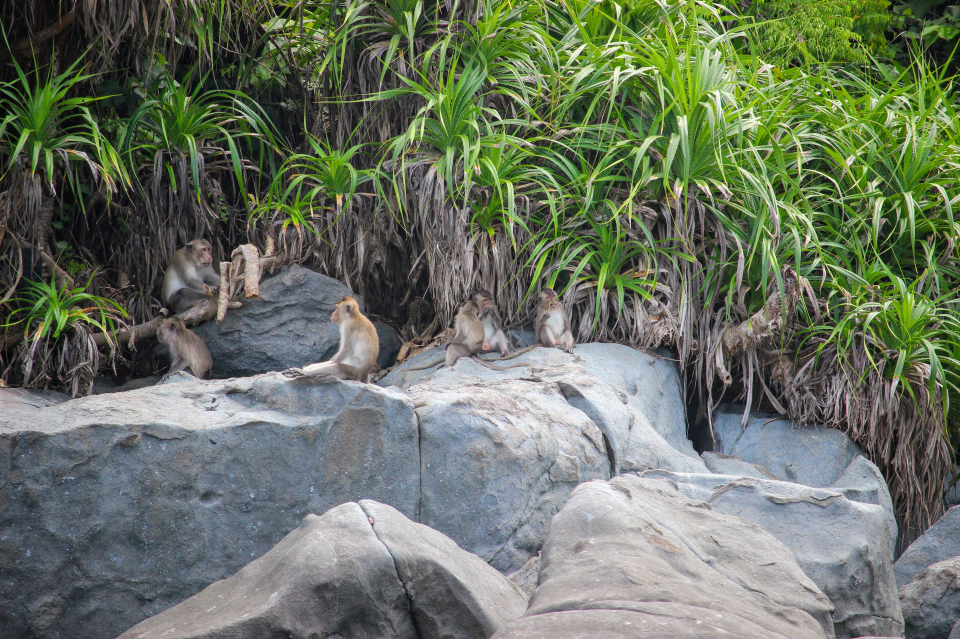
(634, 558)
(955, 633)
(941, 541)
(453, 594)
(360, 570)
(28, 399)
(288, 326)
(842, 545)
(732, 465)
(115, 507)
(550, 427)
(329, 577)
(931, 601)
(806, 455)
(862, 481)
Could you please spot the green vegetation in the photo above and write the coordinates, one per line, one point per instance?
(770, 194)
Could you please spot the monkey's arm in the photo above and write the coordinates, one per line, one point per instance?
(209, 276)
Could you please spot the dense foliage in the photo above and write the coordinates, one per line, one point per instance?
(687, 176)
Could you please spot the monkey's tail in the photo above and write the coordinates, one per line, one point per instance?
(293, 373)
(424, 367)
(523, 350)
(484, 362)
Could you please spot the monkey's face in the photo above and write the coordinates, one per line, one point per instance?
(485, 303)
(341, 312)
(203, 253)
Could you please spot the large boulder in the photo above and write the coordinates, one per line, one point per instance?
(288, 326)
(361, 570)
(931, 601)
(775, 448)
(808, 455)
(634, 558)
(841, 544)
(115, 507)
(513, 444)
(940, 542)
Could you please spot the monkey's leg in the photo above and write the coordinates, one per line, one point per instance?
(477, 359)
(546, 337)
(185, 299)
(566, 340)
(500, 343)
(455, 352)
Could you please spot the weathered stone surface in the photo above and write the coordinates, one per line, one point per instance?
(361, 570)
(842, 545)
(526, 578)
(114, 507)
(329, 577)
(453, 593)
(28, 399)
(862, 481)
(940, 542)
(955, 633)
(931, 601)
(632, 557)
(732, 465)
(806, 455)
(288, 326)
(513, 444)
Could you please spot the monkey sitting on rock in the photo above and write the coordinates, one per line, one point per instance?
(190, 276)
(186, 350)
(493, 336)
(467, 341)
(359, 347)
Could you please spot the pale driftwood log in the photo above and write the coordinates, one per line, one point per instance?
(224, 299)
(251, 270)
(762, 324)
(202, 312)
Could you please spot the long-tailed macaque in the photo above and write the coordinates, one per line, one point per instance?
(493, 337)
(467, 341)
(189, 277)
(552, 324)
(359, 347)
(187, 351)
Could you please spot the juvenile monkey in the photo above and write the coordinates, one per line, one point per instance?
(359, 347)
(552, 324)
(187, 351)
(493, 337)
(467, 341)
(189, 277)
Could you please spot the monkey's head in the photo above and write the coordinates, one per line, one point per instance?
(169, 329)
(200, 250)
(470, 307)
(345, 309)
(549, 297)
(484, 300)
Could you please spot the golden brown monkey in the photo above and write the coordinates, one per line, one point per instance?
(467, 341)
(190, 276)
(359, 347)
(552, 324)
(187, 351)
(493, 336)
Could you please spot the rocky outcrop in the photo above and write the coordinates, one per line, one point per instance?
(774, 448)
(841, 544)
(288, 326)
(360, 570)
(549, 427)
(931, 601)
(940, 542)
(634, 558)
(115, 507)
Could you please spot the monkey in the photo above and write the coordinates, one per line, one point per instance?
(467, 341)
(359, 347)
(552, 324)
(493, 336)
(186, 350)
(190, 278)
